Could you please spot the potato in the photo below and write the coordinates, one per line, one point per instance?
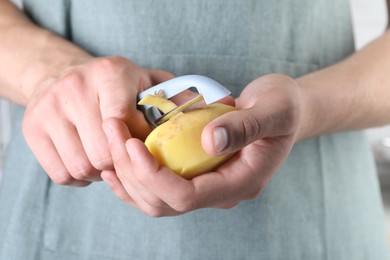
(177, 145)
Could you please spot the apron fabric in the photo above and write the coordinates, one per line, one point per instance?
(324, 202)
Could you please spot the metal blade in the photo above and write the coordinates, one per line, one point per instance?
(178, 109)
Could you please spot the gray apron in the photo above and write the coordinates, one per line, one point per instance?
(324, 202)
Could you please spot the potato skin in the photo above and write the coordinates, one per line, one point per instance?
(177, 145)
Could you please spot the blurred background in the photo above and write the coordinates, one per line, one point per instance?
(370, 19)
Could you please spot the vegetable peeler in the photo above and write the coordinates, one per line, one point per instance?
(208, 89)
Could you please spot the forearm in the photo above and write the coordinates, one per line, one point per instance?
(352, 94)
(29, 54)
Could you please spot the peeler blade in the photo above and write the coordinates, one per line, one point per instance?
(178, 109)
(209, 90)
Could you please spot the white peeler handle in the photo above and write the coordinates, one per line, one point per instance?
(210, 89)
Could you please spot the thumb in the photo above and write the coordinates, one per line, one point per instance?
(235, 130)
(231, 132)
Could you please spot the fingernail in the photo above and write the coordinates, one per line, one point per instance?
(221, 139)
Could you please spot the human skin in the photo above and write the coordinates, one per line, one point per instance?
(67, 94)
(352, 94)
(273, 112)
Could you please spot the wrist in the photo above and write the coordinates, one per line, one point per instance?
(322, 111)
(305, 127)
(53, 57)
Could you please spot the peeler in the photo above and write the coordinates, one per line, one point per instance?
(208, 90)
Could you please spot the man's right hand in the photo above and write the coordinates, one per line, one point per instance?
(63, 119)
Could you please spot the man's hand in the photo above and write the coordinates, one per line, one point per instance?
(63, 119)
(262, 130)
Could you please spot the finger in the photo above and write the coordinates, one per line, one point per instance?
(165, 185)
(93, 140)
(117, 133)
(48, 157)
(215, 189)
(69, 147)
(234, 181)
(268, 107)
(116, 186)
(227, 205)
(80, 104)
(117, 91)
(159, 76)
(233, 131)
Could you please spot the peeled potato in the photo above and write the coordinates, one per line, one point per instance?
(177, 145)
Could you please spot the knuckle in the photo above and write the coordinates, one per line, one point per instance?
(28, 124)
(154, 202)
(109, 65)
(251, 129)
(62, 179)
(102, 162)
(142, 179)
(183, 205)
(116, 160)
(119, 110)
(42, 114)
(71, 86)
(47, 104)
(82, 172)
(73, 80)
(153, 212)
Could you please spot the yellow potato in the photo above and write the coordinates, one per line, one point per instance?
(176, 143)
